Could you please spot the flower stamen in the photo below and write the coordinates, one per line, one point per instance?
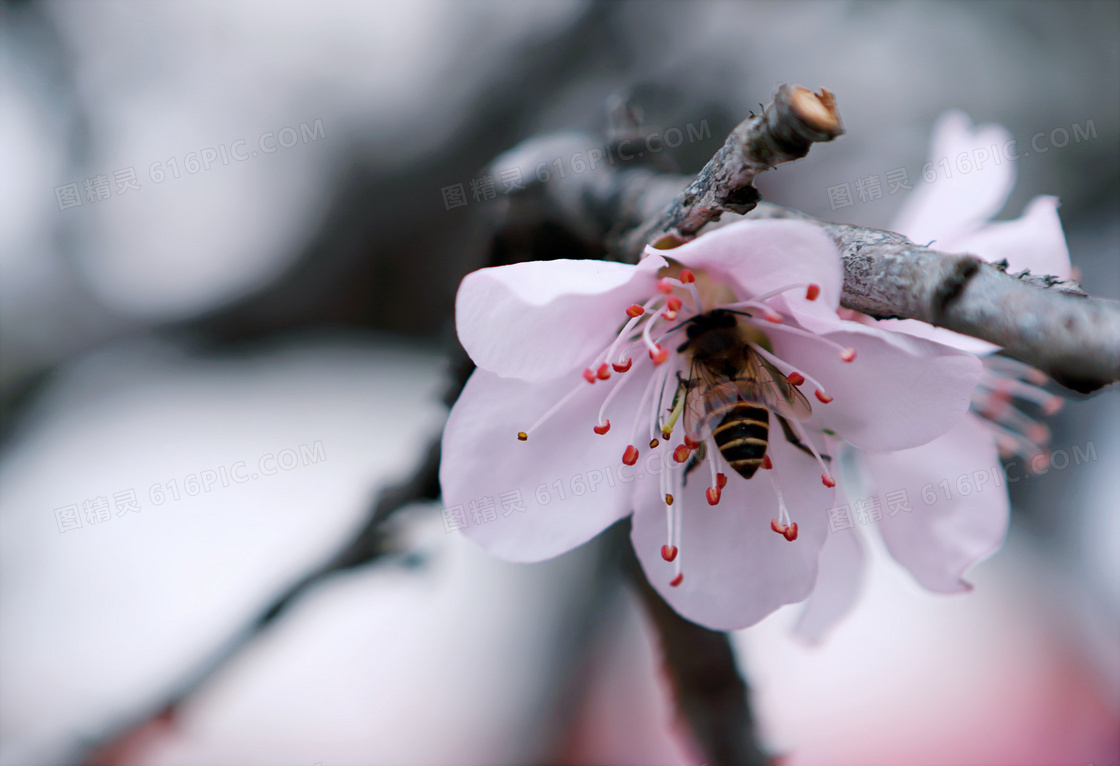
(792, 375)
(783, 525)
(847, 354)
(524, 435)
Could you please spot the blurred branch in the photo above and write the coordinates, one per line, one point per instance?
(710, 693)
(1046, 322)
(370, 544)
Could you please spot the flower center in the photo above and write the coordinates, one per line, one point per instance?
(686, 298)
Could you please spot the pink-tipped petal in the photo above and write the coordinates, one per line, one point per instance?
(900, 392)
(540, 319)
(739, 571)
(965, 519)
(1034, 241)
(913, 327)
(560, 470)
(839, 582)
(760, 256)
(961, 196)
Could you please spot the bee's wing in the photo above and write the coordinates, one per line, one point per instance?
(708, 399)
(764, 383)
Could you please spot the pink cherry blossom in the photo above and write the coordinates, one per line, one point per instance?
(954, 484)
(572, 420)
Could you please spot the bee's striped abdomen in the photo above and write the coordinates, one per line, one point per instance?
(742, 435)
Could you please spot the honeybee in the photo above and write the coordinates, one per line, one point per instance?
(732, 390)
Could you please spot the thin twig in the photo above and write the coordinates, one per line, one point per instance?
(1039, 319)
(783, 132)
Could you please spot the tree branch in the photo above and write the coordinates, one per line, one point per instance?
(1049, 323)
(1046, 322)
(783, 132)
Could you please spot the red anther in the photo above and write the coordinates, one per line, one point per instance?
(674, 303)
(848, 354)
(1036, 469)
(681, 453)
(668, 499)
(1038, 433)
(624, 366)
(659, 356)
(825, 398)
(687, 276)
(721, 480)
(606, 426)
(589, 375)
(713, 494)
(691, 443)
(630, 456)
(779, 528)
(635, 311)
(522, 436)
(812, 292)
(665, 286)
(1002, 395)
(668, 552)
(767, 463)
(670, 315)
(603, 372)
(1052, 406)
(796, 378)
(773, 317)
(791, 532)
(827, 480)
(677, 580)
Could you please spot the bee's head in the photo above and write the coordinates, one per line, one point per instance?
(713, 320)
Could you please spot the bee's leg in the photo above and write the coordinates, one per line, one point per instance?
(791, 437)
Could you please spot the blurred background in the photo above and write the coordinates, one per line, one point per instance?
(230, 237)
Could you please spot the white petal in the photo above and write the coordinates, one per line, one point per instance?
(568, 477)
(919, 329)
(956, 488)
(540, 319)
(1034, 241)
(899, 392)
(839, 582)
(736, 569)
(756, 257)
(962, 196)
